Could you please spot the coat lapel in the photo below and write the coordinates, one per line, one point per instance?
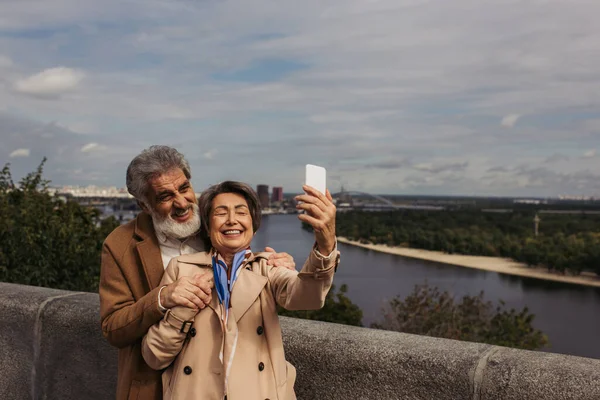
(149, 250)
(245, 291)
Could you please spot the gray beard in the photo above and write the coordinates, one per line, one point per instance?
(179, 230)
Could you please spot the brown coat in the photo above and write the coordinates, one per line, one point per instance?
(259, 369)
(130, 273)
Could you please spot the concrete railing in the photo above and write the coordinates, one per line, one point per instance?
(51, 347)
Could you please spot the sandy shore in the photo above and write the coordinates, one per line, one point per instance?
(494, 264)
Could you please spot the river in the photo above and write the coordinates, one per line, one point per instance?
(569, 314)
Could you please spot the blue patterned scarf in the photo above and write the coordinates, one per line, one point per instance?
(223, 285)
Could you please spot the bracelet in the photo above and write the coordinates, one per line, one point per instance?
(160, 306)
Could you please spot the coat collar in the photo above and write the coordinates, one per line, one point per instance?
(148, 249)
(247, 287)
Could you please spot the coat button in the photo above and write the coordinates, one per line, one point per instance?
(260, 330)
(261, 366)
(187, 370)
(193, 332)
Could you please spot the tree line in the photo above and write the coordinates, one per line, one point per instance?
(566, 243)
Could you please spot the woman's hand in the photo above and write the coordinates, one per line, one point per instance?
(189, 291)
(320, 214)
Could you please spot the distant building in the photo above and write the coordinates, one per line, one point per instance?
(263, 195)
(277, 195)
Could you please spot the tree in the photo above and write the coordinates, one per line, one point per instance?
(45, 241)
(338, 308)
(427, 311)
(565, 245)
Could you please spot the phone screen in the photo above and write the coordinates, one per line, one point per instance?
(316, 177)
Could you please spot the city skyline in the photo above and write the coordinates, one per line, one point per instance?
(114, 191)
(412, 97)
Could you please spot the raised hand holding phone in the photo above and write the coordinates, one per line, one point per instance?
(320, 210)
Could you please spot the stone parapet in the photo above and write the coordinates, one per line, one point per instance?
(51, 347)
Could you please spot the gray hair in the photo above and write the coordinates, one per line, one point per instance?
(151, 163)
(207, 197)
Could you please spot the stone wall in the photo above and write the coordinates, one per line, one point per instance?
(51, 347)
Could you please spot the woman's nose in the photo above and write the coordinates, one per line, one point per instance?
(231, 218)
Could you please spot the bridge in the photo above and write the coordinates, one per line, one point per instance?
(382, 202)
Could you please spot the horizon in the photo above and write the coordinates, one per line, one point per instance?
(565, 197)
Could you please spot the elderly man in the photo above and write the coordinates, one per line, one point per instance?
(135, 255)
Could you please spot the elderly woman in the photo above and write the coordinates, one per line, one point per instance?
(233, 347)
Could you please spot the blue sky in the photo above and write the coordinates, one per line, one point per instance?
(400, 96)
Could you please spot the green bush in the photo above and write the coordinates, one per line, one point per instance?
(338, 308)
(45, 241)
(427, 311)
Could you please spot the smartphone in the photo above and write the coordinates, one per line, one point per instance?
(315, 177)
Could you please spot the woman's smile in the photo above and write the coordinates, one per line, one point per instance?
(232, 232)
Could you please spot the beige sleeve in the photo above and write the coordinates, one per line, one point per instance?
(307, 289)
(164, 340)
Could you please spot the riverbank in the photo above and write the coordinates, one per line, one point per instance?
(493, 264)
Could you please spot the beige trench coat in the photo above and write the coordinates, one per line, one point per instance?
(259, 369)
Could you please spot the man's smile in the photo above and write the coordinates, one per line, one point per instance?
(181, 215)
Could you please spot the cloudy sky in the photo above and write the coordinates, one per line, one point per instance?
(402, 96)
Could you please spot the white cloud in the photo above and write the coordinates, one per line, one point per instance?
(209, 155)
(92, 147)
(590, 153)
(510, 120)
(19, 153)
(51, 82)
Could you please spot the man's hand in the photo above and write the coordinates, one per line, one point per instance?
(280, 259)
(188, 291)
(320, 214)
